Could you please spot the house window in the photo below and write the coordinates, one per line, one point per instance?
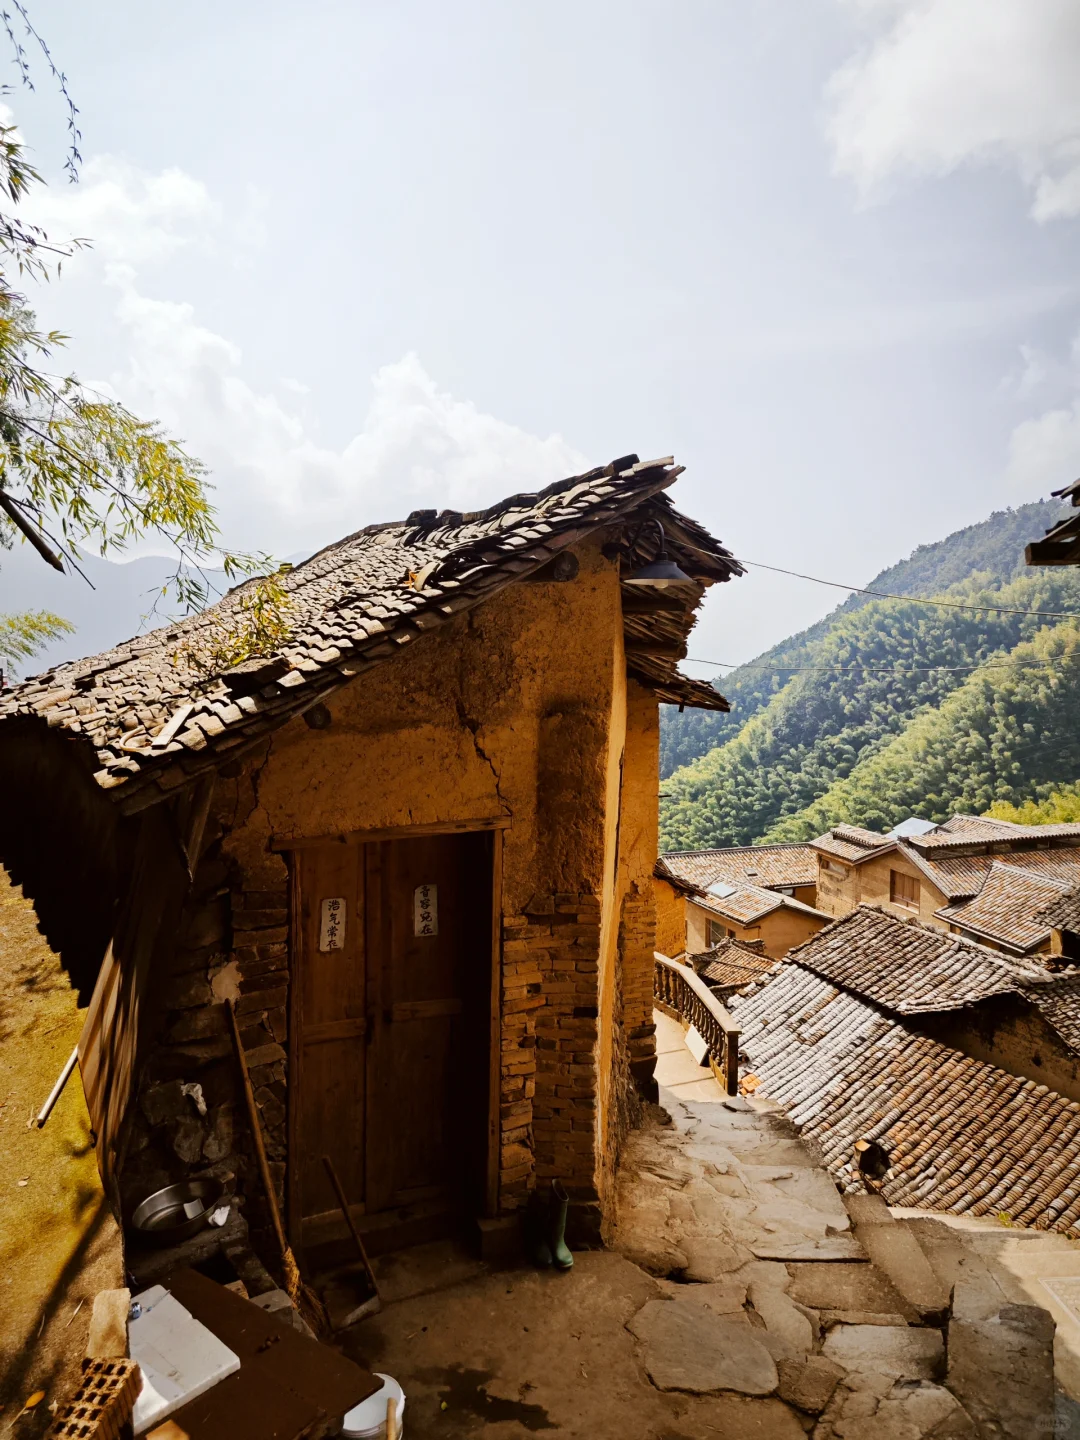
(835, 869)
(903, 890)
(715, 932)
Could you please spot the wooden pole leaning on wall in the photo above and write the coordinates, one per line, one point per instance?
(302, 1296)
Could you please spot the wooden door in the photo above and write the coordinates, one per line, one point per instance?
(331, 1020)
(429, 987)
(392, 1021)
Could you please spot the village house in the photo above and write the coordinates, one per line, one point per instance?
(987, 879)
(414, 847)
(731, 965)
(746, 892)
(960, 1065)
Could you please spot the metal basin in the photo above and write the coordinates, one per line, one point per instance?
(180, 1210)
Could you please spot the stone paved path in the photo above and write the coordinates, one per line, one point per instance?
(765, 1288)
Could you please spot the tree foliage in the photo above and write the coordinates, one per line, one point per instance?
(77, 468)
(785, 774)
(22, 636)
(1060, 807)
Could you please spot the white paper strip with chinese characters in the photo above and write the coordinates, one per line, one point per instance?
(332, 924)
(426, 910)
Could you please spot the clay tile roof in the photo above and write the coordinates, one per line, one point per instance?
(905, 966)
(734, 963)
(1006, 909)
(963, 1136)
(1058, 999)
(770, 866)
(849, 842)
(153, 720)
(1061, 545)
(1063, 912)
(971, 830)
(748, 903)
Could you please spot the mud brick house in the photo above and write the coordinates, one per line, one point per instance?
(960, 1065)
(414, 846)
(739, 891)
(988, 879)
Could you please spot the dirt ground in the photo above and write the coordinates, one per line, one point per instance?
(524, 1352)
(59, 1245)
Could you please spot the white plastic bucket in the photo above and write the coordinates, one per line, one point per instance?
(367, 1421)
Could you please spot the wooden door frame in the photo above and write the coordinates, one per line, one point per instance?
(496, 826)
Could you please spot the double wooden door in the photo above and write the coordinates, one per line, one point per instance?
(391, 1015)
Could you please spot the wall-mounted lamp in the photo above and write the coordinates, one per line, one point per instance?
(662, 572)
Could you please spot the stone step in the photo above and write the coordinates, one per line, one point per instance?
(956, 1263)
(894, 1249)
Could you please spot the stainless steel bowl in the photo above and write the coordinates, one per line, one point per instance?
(180, 1210)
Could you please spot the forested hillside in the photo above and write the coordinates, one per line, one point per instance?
(869, 732)
(994, 548)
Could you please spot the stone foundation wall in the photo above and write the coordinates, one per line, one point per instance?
(190, 1116)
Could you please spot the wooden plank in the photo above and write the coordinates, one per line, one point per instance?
(335, 1030)
(286, 1383)
(397, 832)
(424, 1009)
(333, 1002)
(491, 1176)
(294, 1219)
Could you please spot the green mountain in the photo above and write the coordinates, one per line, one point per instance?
(994, 548)
(866, 731)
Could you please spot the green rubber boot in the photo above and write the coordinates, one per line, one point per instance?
(560, 1201)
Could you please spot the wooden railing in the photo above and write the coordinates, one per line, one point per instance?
(681, 994)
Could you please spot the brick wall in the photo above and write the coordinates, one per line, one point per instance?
(549, 1027)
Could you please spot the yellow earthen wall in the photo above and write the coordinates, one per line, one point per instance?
(780, 930)
(837, 893)
(670, 918)
(874, 888)
(518, 709)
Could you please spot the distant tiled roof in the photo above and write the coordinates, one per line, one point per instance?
(977, 830)
(152, 719)
(749, 903)
(849, 842)
(1004, 911)
(958, 876)
(905, 966)
(770, 866)
(734, 963)
(1063, 912)
(963, 1136)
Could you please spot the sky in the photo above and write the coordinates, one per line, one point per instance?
(369, 256)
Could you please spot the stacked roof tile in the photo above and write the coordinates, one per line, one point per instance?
(746, 904)
(769, 866)
(154, 714)
(733, 964)
(1063, 912)
(849, 842)
(1058, 1001)
(962, 1136)
(907, 967)
(1005, 909)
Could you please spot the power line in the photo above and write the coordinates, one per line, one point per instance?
(890, 669)
(915, 599)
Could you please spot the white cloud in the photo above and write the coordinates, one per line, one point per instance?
(277, 487)
(944, 83)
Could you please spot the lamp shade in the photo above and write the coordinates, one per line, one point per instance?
(660, 573)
